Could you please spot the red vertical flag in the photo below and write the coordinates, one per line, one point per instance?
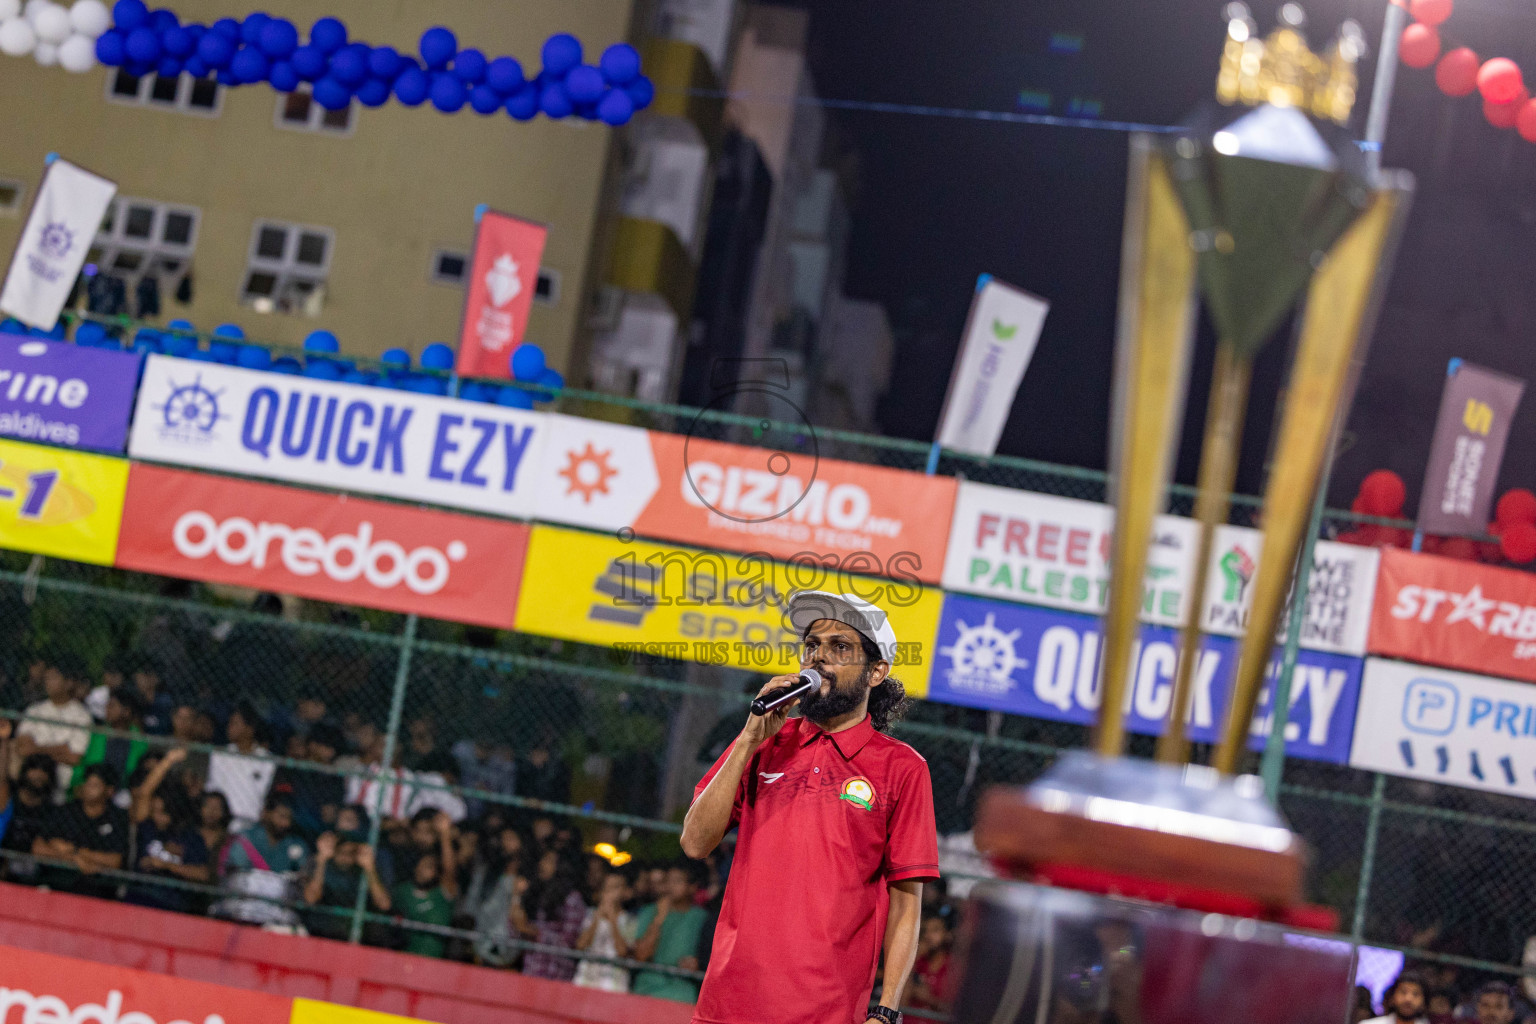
(502, 278)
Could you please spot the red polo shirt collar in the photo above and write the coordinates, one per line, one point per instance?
(848, 742)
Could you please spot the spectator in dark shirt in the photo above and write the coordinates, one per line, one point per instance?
(31, 802)
(317, 796)
(157, 704)
(89, 832)
(168, 845)
(343, 863)
(125, 713)
(544, 776)
(213, 820)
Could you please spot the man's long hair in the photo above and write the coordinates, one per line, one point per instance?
(888, 702)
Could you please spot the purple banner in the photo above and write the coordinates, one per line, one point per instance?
(56, 393)
(1475, 412)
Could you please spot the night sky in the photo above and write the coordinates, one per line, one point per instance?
(938, 201)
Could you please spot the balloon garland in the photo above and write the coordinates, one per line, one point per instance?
(1507, 102)
(52, 33)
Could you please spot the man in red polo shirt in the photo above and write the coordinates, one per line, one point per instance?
(836, 837)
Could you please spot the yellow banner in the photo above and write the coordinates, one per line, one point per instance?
(717, 607)
(62, 503)
(312, 1011)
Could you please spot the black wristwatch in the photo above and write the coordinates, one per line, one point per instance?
(886, 1014)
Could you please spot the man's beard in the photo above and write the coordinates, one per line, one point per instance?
(838, 701)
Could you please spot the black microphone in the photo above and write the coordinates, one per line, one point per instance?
(768, 703)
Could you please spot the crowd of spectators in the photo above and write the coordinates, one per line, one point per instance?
(1437, 994)
(293, 844)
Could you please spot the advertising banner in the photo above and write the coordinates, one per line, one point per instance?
(1476, 409)
(1446, 611)
(1000, 337)
(65, 217)
(65, 395)
(788, 506)
(323, 546)
(721, 608)
(442, 451)
(60, 503)
(38, 987)
(1039, 549)
(1045, 664)
(502, 277)
(1450, 727)
(1339, 591)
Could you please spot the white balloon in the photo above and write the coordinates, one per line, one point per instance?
(46, 54)
(16, 37)
(9, 9)
(77, 54)
(31, 8)
(89, 17)
(51, 23)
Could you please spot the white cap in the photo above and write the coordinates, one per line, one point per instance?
(809, 606)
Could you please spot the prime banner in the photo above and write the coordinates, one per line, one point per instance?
(644, 599)
(60, 503)
(1044, 550)
(64, 394)
(1045, 664)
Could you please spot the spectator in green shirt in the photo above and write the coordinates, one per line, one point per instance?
(124, 713)
(669, 934)
(429, 896)
(343, 864)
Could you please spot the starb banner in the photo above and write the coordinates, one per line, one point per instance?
(1051, 551)
(441, 451)
(60, 503)
(1476, 410)
(1340, 589)
(1000, 337)
(1446, 611)
(65, 395)
(69, 209)
(1045, 664)
(1450, 727)
(502, 278)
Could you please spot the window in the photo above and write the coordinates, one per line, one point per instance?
(12, 192)
(299, 111)
(184, 93)
(547, 291)
(143, 237)
(449, 266)
(287, 268)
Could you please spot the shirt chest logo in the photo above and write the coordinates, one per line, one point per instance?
(858, 792)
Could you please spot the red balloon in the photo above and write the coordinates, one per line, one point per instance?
(1504, 115)
(1419, 46)
(1516, 505)
(1525, 121)
(1382, 492)
(1431, 12)
(1499, 80)
(1456, 74)
(1519, 542)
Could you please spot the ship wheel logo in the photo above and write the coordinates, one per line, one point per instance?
(191, 407)
(588, 472)
(983, 657)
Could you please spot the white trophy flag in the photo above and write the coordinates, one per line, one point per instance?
(1000, 338)
(69, 209)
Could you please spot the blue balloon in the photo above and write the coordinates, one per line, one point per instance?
(87, 333)
(437, 356)
(216, 50)
(177, 42)
(322, 341)
(484, 99)
(234, 331)
(162, 21)
(282, 76)
(552, 380)
(128, 15)
(111, 48)
(561, 53)
(250, 28)
(143, 45)
(523, 105)
(527, 363)
(286, 364)
(447, 92)
(505, 75)
(196, 67)
(470, 66)
(252, 357)
(225, 77)
(373, 93)
(384, 63)
(641, 92)
(620, 63)
(250, 65)
(11, 325)
(309, 62)
(328, 35)
(585, 111)
(396, 358)
(178, 345)
(555, 102)
(349, 65)
(331, 94)
(438, 45)
(146, 342)
(196, 31)
(412, 86)
(278, 38)
(616, 107)
(322, 369)
(168, 67)
(514, 398)
(226, 352)
(584, 84)
(227, 27)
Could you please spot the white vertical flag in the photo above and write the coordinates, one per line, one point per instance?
(64, 220)
(1000, 338)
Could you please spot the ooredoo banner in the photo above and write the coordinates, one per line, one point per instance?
(442, 451)
(1045, 664)
(60, 503)
(1450, 727)
(323, 546)
(787, 506)
(1040, 549)
(1339, 591)
(1446, 611)
(64, 394)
